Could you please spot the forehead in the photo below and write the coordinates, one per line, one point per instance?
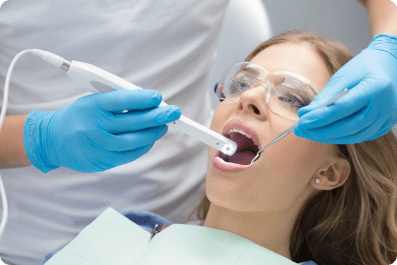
(301, 59)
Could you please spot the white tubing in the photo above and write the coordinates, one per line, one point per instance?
(2, 116)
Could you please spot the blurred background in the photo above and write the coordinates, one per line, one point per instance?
(343, 20)
(250, 22)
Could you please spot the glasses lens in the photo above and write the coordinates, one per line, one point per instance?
(289, 95)
(238, 79)
(288, 92)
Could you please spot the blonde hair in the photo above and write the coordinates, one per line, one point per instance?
(356, 222)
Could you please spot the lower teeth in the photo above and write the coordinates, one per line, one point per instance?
(223, 156)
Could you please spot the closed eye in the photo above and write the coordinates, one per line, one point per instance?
(294, 101)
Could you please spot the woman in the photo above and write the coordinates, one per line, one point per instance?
(331, 204)
(347, 218)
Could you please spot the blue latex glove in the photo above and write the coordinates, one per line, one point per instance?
(92, 135)
(368, 111)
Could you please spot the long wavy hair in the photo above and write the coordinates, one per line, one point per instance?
(355, 223)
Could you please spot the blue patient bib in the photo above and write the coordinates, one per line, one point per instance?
(113, 239)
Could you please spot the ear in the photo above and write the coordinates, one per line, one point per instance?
(334, 174)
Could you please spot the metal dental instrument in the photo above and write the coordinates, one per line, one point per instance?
(344, 92)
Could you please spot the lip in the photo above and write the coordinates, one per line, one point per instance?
(223, 166)
(238, 124)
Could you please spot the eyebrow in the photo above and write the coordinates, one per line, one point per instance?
(250, 70)
(304, 84)
(254, 71)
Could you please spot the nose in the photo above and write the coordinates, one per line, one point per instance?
(253, 101)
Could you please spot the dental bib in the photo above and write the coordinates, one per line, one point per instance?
(113, 239)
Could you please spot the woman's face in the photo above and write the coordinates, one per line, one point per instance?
(285, 172)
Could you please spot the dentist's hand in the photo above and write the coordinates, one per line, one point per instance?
(92, 135)
(368, 111)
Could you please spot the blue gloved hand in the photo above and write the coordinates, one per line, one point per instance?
(368, 111)
(93, 135)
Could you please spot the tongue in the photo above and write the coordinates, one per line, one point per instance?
(242, 158)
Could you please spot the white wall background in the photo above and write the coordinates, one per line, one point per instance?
(343, 20)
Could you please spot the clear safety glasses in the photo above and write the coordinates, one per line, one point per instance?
(286, 92)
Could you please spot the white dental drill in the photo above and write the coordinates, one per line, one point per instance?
(98, 80)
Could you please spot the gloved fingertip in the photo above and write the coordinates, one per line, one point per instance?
(303, 111)
(157, 97)
(164, 131)
(300, 112)
(296, 130)
(299, 131)
(176, 112)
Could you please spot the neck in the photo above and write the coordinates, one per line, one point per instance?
(269, 230)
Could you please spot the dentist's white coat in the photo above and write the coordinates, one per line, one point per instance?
(167, 46)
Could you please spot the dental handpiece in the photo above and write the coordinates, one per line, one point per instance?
(97, 80)
(288, 131)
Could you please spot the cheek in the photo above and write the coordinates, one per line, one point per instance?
(288, 168)
(295, 158)
(220, 111)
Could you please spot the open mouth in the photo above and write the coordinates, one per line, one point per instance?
(246, 149)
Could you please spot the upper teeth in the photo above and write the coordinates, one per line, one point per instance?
(233, 131)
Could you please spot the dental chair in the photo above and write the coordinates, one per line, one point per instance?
(245, 26)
